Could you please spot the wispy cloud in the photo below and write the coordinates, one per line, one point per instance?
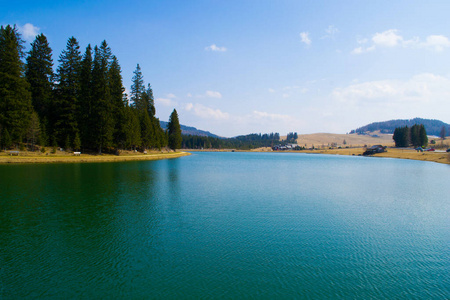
(331, 32)
(205, 112)
(213, 94)
(391, 39)
(304, 36)
(214, 47)
(420, 89)
(207, 94)
(166, 101)
(29, 31)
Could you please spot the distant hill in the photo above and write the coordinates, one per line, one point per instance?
(190, 130)
(433, 127)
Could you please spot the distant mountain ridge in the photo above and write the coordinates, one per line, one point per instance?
(433, 127)
(188, 130)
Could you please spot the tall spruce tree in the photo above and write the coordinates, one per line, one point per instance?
(138, 90)
(85, 120)
(67, 92)
(118, 102)
(15, 98)
(132, 128)
(101, 94)
(39, 73)
(174, 131)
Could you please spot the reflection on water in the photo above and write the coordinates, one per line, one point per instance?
(226, 225)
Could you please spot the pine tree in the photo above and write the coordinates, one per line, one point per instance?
(102, 107)
(15, 99)
(77, 142)
(34, 130)
(442, 134)
(132, 128)
(423, 138)
(174, 131)
(85, 120)
(67, 91)
(39, 74)
(6, 141)
(118, 100)
(138, 90)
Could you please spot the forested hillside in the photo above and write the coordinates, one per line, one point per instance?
(433, 127)
(188, 130)
(81, 106)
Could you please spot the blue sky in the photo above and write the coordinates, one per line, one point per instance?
(239, 67)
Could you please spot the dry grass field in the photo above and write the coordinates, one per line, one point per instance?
(63, 157)
(322, 140)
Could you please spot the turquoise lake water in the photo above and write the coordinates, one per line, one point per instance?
(228, 226)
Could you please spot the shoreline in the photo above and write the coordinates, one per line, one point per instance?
(398, 153)
(85, 158)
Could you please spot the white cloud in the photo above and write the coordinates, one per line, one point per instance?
(419, 91)
(271, 91)
(361, 50)
(29, 31)
(214, 47)
(206, 112)
(188, 106)
(305, 38)
(285, 95)
(436, 42)
(166, 101)
(331, 32)
(388, 38)
(391, 39)
(272, 117)
(171, 96)
(213, 94)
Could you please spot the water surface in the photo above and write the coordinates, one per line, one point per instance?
(226, 225)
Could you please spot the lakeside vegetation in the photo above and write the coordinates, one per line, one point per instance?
(80, 107)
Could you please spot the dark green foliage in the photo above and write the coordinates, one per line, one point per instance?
(174, 131)
(292, 136)
(39, 74)
(442, 134)
(401, 137)
(132, 129)
(67, 144)
(77, 142)
(102, 103)
(82, 105)
(138, 90)
(415, 136)
(243, 142)
(147, 130)
(6, 141)
(34, 130)
(15, 98)
(67, 91)
(43, 137)
(118, 101)
(85, 102)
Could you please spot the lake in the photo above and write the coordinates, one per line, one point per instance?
(226, 225)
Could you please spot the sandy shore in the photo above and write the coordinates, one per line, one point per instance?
(5, 158)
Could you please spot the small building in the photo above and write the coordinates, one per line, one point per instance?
(375, 149)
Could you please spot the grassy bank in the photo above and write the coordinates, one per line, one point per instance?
(62, 157)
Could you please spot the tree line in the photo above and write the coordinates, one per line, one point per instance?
(81, 106)
(415, 135)
(242, 142)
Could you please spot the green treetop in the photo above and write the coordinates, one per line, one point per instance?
(174, 131)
